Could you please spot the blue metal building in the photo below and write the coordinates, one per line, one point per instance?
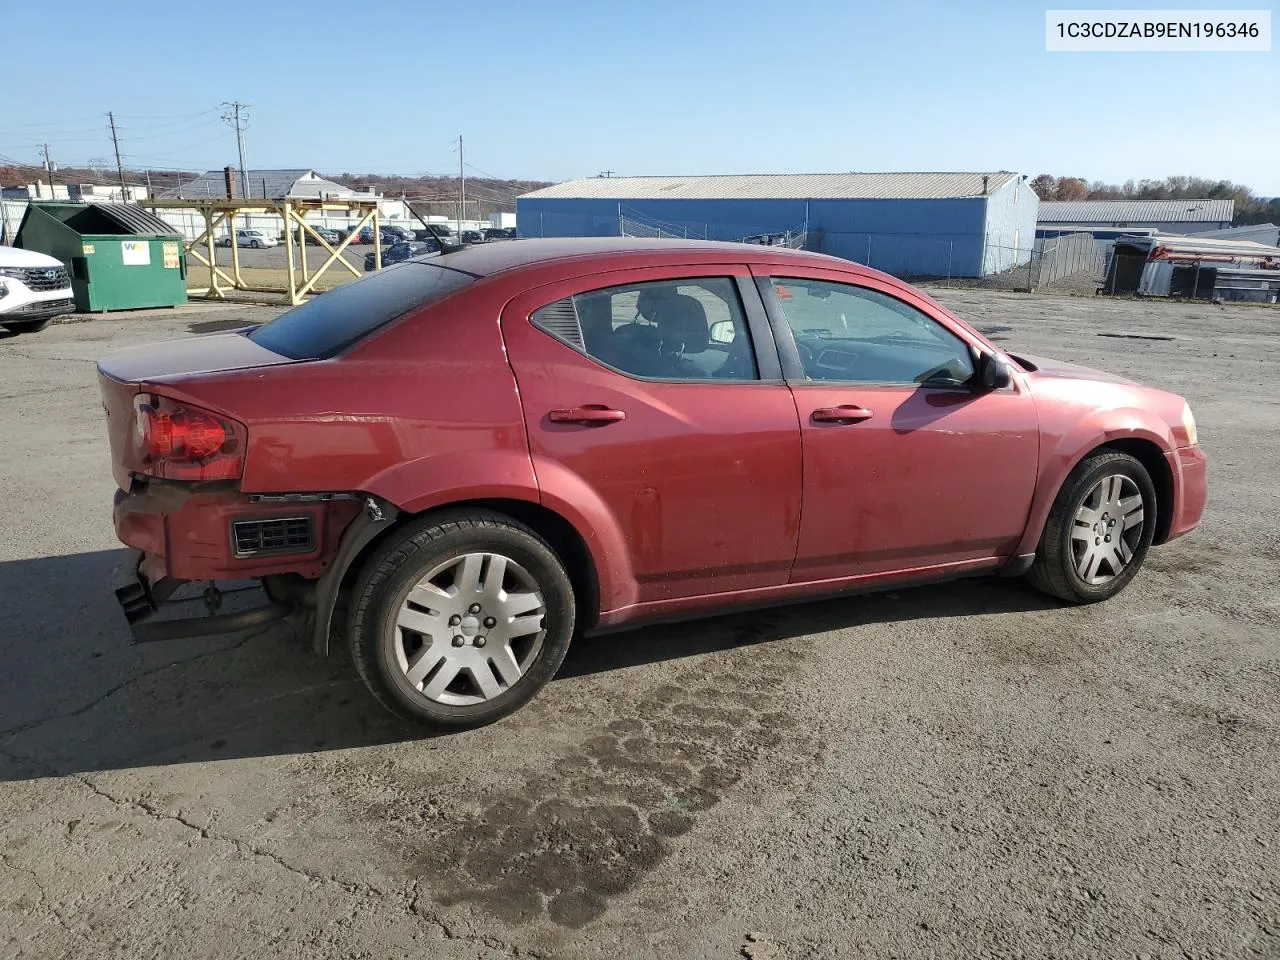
(907, 224)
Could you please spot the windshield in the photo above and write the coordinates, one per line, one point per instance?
(333, 321)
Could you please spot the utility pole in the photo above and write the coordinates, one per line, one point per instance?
(462, 192)
(115, 141)
(237, 115)
(48, 166)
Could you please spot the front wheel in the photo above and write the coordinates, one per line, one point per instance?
(460, 619)
(1099, 530)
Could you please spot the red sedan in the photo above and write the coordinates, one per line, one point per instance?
(456, 464)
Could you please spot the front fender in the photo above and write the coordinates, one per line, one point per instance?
(1062, 451)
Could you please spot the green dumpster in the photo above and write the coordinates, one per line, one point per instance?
(121, 257)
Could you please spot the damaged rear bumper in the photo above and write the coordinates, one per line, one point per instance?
(141, 599)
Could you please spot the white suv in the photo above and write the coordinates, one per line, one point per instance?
(34, 288)
(250, 238)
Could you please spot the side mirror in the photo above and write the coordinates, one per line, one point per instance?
(993, 373)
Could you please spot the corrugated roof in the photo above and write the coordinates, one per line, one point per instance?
(1177, 243)
(135, 220)
(1134, 211)
(273, 184)
(1267, 233)
(779, 186)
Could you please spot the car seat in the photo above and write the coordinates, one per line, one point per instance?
(682, 332)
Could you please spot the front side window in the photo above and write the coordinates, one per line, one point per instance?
(686, 329)
(852, 334)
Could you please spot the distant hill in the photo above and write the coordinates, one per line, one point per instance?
(427, 195)
(439, 195)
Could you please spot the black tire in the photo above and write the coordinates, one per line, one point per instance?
(26, 326)
(405, 558)
(1054, 570)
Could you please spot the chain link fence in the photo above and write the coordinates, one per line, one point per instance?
(998, 266)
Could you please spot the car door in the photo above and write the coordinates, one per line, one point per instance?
(656, 393)
(907, 462)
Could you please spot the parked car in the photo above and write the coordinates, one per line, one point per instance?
(399, 252)
(365, 235)
(34, 288)
(250, 238)
(397, 231)
(499, 233)
(618, 443)
(330, 237)
(441, 231)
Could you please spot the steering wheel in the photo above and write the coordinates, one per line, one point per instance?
(941, 370)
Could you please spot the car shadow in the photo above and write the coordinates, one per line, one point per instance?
(77, 697)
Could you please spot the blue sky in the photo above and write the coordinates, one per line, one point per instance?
(555, 90)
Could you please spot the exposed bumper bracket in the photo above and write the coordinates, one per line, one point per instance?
(141, 599)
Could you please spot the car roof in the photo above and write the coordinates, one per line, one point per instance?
(489, 259)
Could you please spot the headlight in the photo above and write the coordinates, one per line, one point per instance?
(1189, 424)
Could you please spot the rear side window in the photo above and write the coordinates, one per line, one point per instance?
(686, 329)
(333, 321)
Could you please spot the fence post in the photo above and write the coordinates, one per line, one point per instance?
(868, 249)
(1195, 284)
(951, 248)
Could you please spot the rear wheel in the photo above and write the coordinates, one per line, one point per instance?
(26, 326)
(1099, 530)
(460, 619)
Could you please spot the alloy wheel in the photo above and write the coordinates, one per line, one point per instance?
(1107, 529)
(470, 629)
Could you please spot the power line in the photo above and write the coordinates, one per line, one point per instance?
(167, 121)
(175, 132)
(174, 152)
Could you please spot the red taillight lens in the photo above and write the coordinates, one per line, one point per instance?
(180, 442)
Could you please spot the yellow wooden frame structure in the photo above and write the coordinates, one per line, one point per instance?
(293, 213)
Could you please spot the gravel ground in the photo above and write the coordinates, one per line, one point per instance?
(961, 770)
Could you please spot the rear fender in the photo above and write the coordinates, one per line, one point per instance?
(512, 475)
(573, 498)
(433, 482)
(441, 479)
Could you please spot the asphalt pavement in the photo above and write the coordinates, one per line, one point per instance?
(961, 770)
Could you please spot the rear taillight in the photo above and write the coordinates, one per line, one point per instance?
(176, 441)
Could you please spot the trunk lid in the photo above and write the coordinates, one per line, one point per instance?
(122, 376)
(211, 353)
